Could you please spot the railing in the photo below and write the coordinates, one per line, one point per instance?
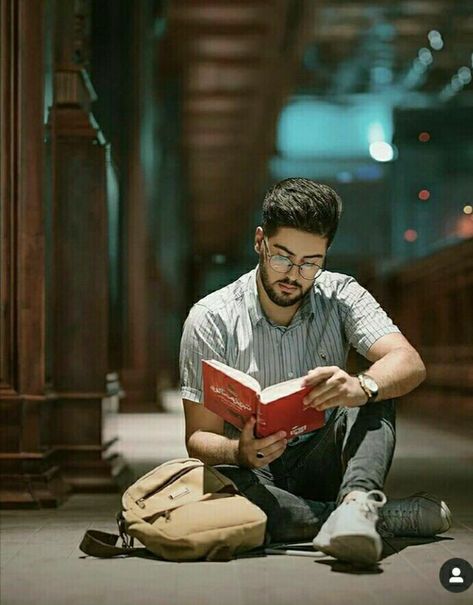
(431, 300)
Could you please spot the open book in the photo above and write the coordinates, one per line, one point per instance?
(235, 396)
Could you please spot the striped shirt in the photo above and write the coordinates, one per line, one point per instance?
(230, 326)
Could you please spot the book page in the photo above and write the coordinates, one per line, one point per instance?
(276, 391)
(238, 375)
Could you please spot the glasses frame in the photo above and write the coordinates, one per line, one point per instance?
(270, 256)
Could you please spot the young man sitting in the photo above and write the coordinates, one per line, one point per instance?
(286, 318)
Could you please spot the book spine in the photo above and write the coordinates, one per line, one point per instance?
(260, 420)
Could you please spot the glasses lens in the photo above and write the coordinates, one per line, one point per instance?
(310, 271)
(280, 263)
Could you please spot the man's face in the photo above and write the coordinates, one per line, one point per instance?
(287, 289)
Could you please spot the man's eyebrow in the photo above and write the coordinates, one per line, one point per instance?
(292, 253)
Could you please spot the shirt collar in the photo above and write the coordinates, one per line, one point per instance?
(254, 306)
(256, 312)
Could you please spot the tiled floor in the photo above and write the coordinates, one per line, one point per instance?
(41, 562)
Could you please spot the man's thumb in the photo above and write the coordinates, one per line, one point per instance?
(249, 424)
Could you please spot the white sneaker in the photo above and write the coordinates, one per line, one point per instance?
(349, 534)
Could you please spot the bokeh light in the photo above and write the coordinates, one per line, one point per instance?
(424, 195)
(424, 137)
(381, 151)
(464, 226)
(410, 235)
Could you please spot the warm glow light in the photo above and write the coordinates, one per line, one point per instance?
(381, 151)
(424, 195)
(410, 235)
(464, 226)
(468, 209)
(424, 137)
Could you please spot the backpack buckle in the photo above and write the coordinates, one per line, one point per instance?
(127, 541)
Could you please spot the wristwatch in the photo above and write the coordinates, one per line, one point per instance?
(369, 386)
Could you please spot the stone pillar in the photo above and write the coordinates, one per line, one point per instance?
(29, 476)
(141, 194)
(84, 383)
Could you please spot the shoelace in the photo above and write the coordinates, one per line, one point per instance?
(401, 518)
(370, 505)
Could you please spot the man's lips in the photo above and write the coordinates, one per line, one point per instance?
(287, 288)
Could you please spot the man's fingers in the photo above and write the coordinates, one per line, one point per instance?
(271, 453)
(248, 433)
(315, 376)
(323, 392)
(247, 430)
(317, 392)
(264, 442)
(330, 403)
(279, 446)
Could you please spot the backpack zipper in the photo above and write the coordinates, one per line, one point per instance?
(141, 501)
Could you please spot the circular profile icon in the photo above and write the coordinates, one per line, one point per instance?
(456, 575)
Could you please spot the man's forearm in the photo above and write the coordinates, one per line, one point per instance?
(397, 373)
(212, 448)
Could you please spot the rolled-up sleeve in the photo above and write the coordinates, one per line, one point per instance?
(364, 319)
(202, 338)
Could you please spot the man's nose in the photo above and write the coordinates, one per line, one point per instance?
(293, 272)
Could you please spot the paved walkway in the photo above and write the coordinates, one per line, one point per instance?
(42, 565)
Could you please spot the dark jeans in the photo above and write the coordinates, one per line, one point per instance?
(299, 490)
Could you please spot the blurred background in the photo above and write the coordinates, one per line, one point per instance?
(137, 141)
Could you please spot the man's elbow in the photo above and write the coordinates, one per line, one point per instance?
(420, 369)
(189, 445)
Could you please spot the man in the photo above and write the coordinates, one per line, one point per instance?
(287, 318)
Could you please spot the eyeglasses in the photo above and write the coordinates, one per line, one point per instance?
(283, 264)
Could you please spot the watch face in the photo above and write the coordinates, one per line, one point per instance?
(371, 384)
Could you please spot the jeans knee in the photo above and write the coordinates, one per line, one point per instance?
(381, 410)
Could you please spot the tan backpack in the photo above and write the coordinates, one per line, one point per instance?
(183, 510)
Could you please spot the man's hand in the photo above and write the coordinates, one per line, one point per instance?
(272, 446)
(332, 387)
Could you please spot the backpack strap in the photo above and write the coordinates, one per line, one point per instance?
(101, 544)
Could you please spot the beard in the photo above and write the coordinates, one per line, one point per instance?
(282, 300)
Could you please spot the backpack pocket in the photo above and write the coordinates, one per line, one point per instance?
(193, 531)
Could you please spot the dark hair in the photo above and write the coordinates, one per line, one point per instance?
(302, 204)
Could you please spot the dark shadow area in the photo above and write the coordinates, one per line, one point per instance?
(391, 546)
(394, 545)
(351, 568)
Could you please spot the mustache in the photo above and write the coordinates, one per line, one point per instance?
(289, 283)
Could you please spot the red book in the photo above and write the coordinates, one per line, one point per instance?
(235, 396)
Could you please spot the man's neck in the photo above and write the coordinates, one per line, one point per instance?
(281, 316)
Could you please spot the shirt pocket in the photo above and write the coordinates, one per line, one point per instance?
(327, 354)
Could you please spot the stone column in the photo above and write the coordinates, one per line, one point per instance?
(29, 476)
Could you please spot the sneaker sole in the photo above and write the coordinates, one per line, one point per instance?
(354, 548)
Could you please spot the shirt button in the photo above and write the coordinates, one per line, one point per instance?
(290, 374)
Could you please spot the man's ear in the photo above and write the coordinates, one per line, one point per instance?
(259, 240)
